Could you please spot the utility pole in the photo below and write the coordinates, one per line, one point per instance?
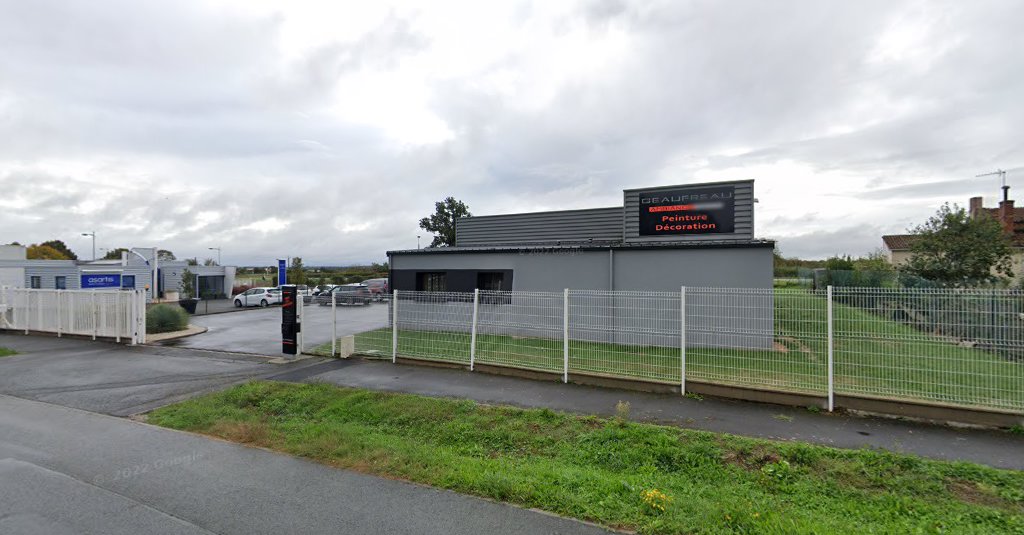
(218, 254)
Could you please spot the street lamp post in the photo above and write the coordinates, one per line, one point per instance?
(218, 253)
(93, 234)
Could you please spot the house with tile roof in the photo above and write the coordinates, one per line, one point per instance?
(898, 247)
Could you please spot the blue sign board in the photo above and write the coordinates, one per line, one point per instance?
(101, 280)
(282, 272)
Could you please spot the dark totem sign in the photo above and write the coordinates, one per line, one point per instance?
(290, 326)
(698, 210)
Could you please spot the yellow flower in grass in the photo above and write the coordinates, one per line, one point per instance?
(655, 499)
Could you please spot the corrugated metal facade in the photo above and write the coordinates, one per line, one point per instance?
(744, 215)
(595, 224)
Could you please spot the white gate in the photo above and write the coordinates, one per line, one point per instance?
(115, 314)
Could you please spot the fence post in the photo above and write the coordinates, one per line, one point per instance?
(682, 340)
(57, 311)
(118, 316)
(95, 315)
(472, 336)
(39, 310)
(831, 346)
(565, 336)
(334, 325)
(394, 327)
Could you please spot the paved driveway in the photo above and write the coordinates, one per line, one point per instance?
(258, 330)
(116, 379)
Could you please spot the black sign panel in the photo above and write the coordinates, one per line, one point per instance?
(688, 211)
(290, 326)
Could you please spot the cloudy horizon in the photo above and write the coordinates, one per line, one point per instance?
(327, 130)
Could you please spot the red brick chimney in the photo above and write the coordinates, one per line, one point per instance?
(1006, 211)
(975, 207)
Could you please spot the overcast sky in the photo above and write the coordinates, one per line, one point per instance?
(327, 129)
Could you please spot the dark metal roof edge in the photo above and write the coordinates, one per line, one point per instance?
(749, 244)
(691, 185)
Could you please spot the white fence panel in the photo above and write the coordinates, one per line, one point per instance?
(119, 315)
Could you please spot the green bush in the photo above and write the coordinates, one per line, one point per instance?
(165, 319)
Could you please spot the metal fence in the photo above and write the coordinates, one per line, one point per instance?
(120, 315)
(957, 347)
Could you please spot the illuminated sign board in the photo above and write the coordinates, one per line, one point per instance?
(100, 280)
(688, 211)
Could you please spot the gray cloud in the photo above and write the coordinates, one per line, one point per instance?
(191, 126)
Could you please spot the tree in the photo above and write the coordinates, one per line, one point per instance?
(209, 262)
(192, 261)
(62, 248)
(188, 284)
(164, 255)
(839, 263)
(114, 254)
(296, 273)
(954, 249)
(442, 222)
(44, 252)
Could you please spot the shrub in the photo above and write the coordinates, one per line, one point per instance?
(166, 318)
(241, 288)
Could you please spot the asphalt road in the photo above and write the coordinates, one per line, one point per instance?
(994, 448)
(258, 330)
(66, 471)
(116, 379)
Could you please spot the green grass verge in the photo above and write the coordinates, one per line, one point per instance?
(873, 356)
(4, 352)
(601, 469)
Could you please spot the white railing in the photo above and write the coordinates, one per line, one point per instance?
(118, 315)
(954, 347)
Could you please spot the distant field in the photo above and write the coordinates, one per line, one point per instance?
(873, 356)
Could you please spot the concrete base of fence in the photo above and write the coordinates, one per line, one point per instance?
(932, 412)
(124, 340)
(346, 346)
(431, 363)
(936, 413)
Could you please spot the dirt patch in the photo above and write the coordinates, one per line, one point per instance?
(970, 492)
(243, 432)
(754, 459)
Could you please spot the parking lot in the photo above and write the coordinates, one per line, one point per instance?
(258, 330)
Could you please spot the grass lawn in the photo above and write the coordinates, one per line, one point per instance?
(872, 355)
(611, 471)
(4, 352)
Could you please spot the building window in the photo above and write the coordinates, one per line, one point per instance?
(431, 281)
(128, 282)
(60, 282)
(36, 282)
(490, 281)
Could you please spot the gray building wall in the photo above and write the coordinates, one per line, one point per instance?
(595, 224)
(11, 271)
(744, 212)
(552, 270)
(722, 319)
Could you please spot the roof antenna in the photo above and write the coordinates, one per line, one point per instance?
(1002, 178)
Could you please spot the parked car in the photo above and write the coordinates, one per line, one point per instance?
(258, 297)
(378, 287)
(348, 294)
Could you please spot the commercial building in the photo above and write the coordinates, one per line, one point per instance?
(660, 239)
(135, 270)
